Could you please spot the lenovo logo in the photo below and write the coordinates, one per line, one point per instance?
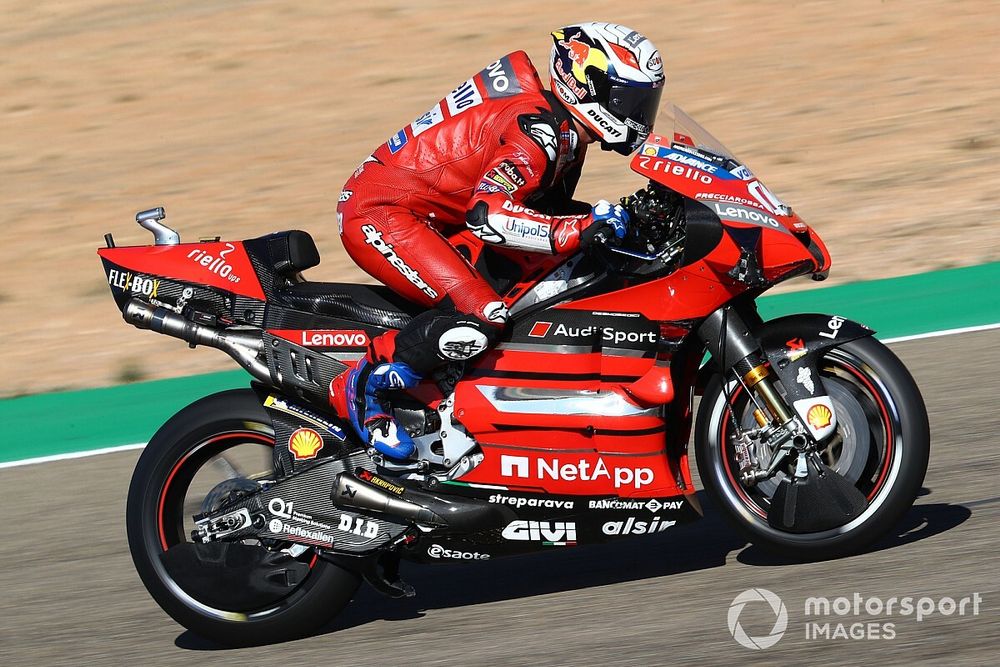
(323, 338)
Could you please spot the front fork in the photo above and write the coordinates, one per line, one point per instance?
(738, 352)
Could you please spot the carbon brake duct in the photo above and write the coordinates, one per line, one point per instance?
(822, 499)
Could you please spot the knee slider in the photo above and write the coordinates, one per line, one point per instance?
(435, 337)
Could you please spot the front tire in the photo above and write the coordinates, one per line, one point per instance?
(165, 491)
(883, 413)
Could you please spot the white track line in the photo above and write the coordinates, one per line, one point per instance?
(71, 455)
(944, 332)
(123, 448)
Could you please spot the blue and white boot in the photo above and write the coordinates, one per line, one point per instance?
(375, 426)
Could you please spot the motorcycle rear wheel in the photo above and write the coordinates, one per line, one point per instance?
(885, 451)
(167, 488)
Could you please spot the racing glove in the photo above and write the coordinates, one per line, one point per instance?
(607, 221)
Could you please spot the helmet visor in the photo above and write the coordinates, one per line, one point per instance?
(638, 105)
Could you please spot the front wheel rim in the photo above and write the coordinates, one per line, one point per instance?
(838, 362)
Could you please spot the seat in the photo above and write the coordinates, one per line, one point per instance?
(367, 304)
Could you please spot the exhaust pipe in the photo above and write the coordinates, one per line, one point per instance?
(464, 515)
(349, 491)
(243, 346)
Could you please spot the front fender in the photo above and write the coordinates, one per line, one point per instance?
(793, 345)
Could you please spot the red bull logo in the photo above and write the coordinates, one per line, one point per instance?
(578, 51)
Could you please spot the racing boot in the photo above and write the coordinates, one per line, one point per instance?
(357, 393)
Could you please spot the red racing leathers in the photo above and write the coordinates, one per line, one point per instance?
(498, 154)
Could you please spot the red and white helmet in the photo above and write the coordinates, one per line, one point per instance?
(611, 78)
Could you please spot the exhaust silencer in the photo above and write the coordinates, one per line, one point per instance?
(243, 346)
(349, 491)
(465, 515)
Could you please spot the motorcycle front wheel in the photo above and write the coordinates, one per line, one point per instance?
(883, 451)
(236, 593)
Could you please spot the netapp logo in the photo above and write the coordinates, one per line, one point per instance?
(582, 470)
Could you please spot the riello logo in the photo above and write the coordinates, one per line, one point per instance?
(217, 264)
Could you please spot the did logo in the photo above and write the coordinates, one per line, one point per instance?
(755, 596)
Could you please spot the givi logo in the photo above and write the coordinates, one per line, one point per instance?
(549, 533)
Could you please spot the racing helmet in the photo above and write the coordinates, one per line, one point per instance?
(610, 78)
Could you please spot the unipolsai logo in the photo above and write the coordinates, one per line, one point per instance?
(755, 596)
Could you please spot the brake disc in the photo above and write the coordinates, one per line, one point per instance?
(847, 458)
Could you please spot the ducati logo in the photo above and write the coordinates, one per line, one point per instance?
(795, 349)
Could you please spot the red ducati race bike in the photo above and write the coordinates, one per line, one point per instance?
(254, 514)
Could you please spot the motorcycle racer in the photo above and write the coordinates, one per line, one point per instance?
(501, 155)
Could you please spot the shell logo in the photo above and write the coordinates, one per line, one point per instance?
(819, 416)
(305, 443)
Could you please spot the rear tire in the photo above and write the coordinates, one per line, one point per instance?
(886, 390)
(155, 522)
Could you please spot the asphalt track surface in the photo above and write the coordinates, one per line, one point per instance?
(70, 595)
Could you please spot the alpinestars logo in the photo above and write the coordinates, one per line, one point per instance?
(373, 237)
(496, 311)
(462, 343)
(546, 138)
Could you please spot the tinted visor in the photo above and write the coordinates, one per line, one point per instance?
(638, 105)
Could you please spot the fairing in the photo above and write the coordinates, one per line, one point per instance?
(224, 265)
(690, 161)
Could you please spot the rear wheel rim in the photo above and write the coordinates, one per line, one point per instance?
(171, 516)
